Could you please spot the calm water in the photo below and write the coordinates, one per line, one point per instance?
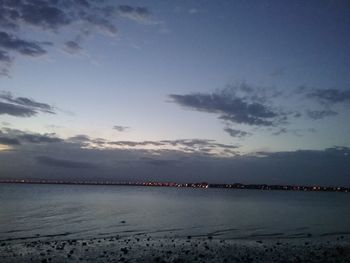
(68, 211)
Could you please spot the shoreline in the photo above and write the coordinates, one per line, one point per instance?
(147, 248)
(234, 186)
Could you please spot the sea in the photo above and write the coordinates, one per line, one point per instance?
(31, 212)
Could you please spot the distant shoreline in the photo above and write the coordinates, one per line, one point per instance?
(202, 185)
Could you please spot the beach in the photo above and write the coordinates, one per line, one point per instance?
(145, 248)
(71, 223)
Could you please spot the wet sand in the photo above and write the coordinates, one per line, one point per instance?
(188, 249)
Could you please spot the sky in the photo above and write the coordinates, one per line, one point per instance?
(214, 91)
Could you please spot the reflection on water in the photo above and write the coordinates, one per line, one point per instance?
(46, 211)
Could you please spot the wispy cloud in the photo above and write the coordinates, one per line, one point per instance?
(263, 108)
(199, 146)
(28, 48)
(140, 14)
(280, 131)
(135, 143)
(22, 106)
(237, 133)
(331, 96)
(326, 97)
(27, 102)
(16, 110)
(88, 16)
(233, 107)
(120, 128)
(10, 43)
(72, 47)
(320, 114)
(5, 63)
(79, 138)
(328, 101)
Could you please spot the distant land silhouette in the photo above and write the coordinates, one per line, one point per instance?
(203, 185)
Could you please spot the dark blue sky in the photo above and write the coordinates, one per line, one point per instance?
(212, 90)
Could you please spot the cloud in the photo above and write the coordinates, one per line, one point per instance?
(50, 161)
(308, 155)
(5, 123)
(327, 100)
(183, 160)
(8, 141)
(270, 109)
(28, 137)
(5, 63)
(24, 47)
(237, 133)
(4, 57)
(295, 132)
(10, 43)
(320, 114)
(135, 143)
(160, 162)
(280, 131)
(85, 141)
(79, 138)
(45, 16)
(72, 47)
(325, 96)
(314, 167)
(330, 95)
(21, 106)
(139, 14)
(120, 128)
(198, 143)
(102, 23)
(16, 110)
(26, 102)
(38, 138)
(69, 161)
(83, 3)
(199, 146)
(231, 107)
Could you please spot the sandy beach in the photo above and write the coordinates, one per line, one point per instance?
(187, 249)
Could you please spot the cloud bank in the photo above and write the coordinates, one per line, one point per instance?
(54, 162)
(10, 136)
(66, 159)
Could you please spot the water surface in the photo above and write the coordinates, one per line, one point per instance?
(80, 211)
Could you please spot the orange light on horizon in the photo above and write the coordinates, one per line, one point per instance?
(5, 147)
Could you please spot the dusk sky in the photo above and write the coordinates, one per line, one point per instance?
(216, 91)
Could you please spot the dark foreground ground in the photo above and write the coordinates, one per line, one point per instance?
(150, 249)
